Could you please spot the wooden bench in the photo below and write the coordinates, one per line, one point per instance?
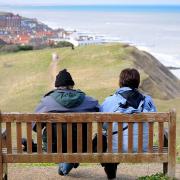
(16, 123)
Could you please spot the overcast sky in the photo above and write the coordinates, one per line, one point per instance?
(85, 2)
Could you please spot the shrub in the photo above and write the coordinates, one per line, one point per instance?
(63, 44)
(157, 176)
(25, 47)
(9, 48)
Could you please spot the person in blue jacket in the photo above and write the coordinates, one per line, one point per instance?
(65, 99)
(127, 99)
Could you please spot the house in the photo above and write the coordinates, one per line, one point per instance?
(23, 39)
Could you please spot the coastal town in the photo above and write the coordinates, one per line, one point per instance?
(15, 29)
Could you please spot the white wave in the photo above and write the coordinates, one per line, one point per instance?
(167, 59)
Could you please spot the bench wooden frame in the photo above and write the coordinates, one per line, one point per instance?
(164, 155)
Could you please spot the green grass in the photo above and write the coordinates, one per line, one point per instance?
(25, 76)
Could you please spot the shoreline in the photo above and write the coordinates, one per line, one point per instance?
(167, 60)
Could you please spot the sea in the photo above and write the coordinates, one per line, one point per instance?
(153, 28)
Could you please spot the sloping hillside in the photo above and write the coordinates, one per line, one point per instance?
(161, 83)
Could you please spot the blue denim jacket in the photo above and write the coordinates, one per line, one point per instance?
(111, 104)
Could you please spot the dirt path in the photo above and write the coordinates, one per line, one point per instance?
(53, 72)
(94, 172)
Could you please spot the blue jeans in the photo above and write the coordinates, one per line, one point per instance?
(65, 168)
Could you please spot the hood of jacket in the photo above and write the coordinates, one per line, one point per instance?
(133, 103)
(68, 98)
(132, 96)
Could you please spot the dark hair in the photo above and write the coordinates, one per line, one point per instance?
(129, 78)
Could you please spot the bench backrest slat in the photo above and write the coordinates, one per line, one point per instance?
(160, 136)
(19, 137)
(49, 137)
(99, 138)
(120, 137)
(39, 137)
(69, 137)
(29, 137)
(59, 137)
(140, 137)
(151, 137)
(9, 138)
(109, 137)
(89, 117)
(89, 137)
(130, 137)
(79, 137)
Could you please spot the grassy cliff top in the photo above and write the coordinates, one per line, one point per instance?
(26, 76)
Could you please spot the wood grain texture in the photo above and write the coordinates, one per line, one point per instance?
(99, 138)
(89, 138)
(79, 117)
(29, 137)
(79, 138)
(49, 137)
(87, 158)
(109, 137)
(39, 137)
(59, 137)
(140, 137)
(9, 138)
(69, 137)
(172, 144)
(130, 137)
(161, 136)
(120, 137)
(151, 137)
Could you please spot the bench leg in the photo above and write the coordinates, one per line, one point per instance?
(5, 166)
(1, 171)
(172, 145)
(165, 168)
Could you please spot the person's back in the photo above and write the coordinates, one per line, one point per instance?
(127, 99)
(62, 100)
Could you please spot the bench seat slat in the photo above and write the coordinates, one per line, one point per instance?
(83, 157)
(15, 151)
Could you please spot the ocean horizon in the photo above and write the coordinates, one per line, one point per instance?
(101, 8)
(154, 28)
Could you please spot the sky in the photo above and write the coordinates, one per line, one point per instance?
(86, 2)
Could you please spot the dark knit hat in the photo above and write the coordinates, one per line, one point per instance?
(64, 78)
